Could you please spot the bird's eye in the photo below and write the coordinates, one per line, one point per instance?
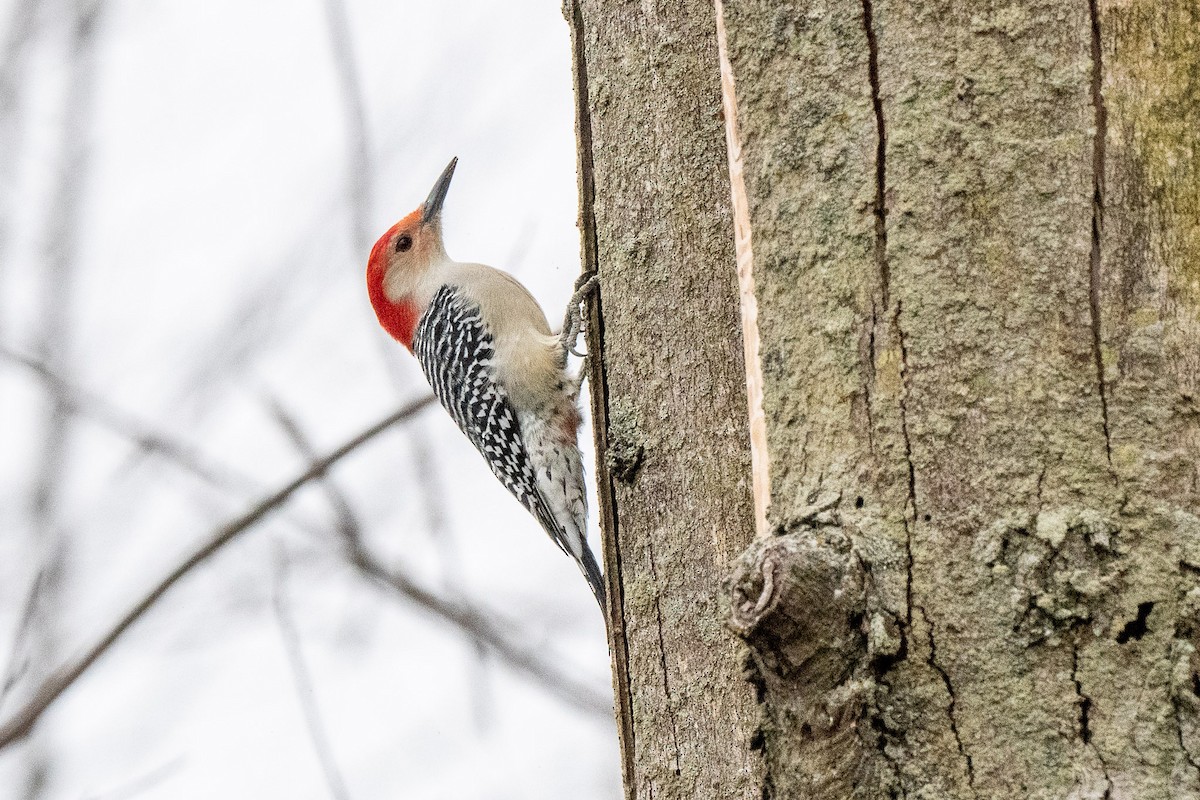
(403, 243)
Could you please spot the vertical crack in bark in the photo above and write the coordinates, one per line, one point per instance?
(662, 656)
(884, 277)
(598, 379)
(950, 709)
(909, 523)
(881, 261)
(1085, 725)
(882, 269)
(880, 307)
(1098, 162)
(869, 381)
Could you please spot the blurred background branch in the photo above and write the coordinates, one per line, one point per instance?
(186, 207)
(305, 691)
(483, 630)
(21, 721)
(52, 545)
(463, 617)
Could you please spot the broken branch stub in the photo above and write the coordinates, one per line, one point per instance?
(798, 600)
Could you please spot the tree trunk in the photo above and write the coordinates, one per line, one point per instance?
(668, 391)
(976, 264)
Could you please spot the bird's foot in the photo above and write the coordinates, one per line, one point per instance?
(573, 322)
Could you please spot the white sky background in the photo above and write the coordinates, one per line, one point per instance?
(216, 273)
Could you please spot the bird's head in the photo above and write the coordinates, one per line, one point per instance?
(402, 256)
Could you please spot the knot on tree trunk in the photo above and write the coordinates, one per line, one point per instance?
(798, 601)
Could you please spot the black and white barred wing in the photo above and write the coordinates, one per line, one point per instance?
(456, 352)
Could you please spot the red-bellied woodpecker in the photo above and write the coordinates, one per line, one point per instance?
(487, 351)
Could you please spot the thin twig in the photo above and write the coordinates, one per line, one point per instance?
(58, 266)
(191, 459)
(359, 186)
(304, 683)
(360, 191)
(149, 439)
(347, 521)
(488, 633)
(127, 426)
(21, 722)
(14, 61)
(18, 662)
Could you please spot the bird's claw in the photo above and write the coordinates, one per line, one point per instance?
(585, 285)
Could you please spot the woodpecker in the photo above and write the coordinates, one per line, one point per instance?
(488, 353)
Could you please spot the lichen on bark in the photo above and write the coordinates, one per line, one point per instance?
(975, 245)
(976, 231)
(668, 390)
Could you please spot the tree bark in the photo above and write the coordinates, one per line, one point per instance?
(976, 263)
(668, 390)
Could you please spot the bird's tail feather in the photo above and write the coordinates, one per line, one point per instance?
(585, 559)
(591, 571)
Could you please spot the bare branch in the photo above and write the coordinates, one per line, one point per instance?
(14, 60)
(58, 269)
(148, 439)
(304, 684)
(191, 459)
(359, 186)
(21, 722)
(360, 191)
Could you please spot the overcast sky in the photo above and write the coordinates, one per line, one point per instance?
(195, 183)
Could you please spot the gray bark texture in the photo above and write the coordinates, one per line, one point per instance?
(976, 259)
(668, 390)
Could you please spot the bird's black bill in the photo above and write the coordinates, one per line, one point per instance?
(433, 204)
